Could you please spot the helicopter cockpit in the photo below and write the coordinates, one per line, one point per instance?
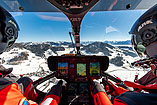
(76, 69)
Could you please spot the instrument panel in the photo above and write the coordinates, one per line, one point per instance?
(73, 6)
(78, 68)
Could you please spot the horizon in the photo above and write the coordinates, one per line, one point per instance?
(71, 42)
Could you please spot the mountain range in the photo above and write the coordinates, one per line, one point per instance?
(31, 57)
(45, 49)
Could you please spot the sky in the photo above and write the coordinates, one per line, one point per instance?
(96, 26)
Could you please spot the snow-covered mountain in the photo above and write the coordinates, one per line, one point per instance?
(32, 57)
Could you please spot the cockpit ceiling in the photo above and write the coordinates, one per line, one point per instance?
(102, 5)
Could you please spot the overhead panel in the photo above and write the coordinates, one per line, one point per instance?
(102, 5)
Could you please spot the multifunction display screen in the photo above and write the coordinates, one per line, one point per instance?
(81, 69)
(63, 68)
(95, 69)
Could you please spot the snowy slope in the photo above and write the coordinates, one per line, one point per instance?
(32, 57)
(32, 64)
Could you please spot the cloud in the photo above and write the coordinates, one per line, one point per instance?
(111, 29)
(14, 14)
(92, 13)
(53, 18)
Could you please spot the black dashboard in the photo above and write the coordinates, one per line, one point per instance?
(78, 68)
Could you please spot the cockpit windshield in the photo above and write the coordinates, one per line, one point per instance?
(96, 26)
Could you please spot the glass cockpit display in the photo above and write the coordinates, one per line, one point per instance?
(83, 89)
(63, 68)
(81, 69)
(72, 88)
(95, 69)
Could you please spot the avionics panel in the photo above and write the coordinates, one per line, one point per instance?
(78, 68)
